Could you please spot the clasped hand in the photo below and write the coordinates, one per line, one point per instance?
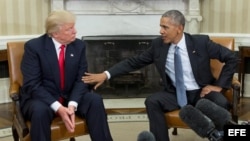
(68, 117)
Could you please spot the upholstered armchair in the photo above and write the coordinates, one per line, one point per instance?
(20, 127)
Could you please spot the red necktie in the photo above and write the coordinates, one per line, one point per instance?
(61, 65)
(61, 69)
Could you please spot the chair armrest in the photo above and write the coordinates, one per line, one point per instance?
(236, 83)
(14, 91)
(236, 98)
(18, 120)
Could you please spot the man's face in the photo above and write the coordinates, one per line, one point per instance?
(66, 34)
(170, 32)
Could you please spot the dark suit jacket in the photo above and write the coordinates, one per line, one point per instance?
(200, 50)
(40, 71)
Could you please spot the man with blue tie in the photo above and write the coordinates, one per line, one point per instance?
(52, 67)
(173, 50)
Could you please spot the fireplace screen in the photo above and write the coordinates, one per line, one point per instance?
(105, 51)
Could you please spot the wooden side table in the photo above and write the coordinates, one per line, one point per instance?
(244, 52)
(3, 55)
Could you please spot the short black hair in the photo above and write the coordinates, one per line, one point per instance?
(176, 16)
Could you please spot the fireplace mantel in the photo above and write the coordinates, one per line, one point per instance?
(129, 17)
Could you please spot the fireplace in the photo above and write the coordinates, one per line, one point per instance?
(105, 51)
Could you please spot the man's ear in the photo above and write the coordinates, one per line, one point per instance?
(180, 29)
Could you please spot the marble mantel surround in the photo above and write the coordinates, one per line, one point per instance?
(127, 17)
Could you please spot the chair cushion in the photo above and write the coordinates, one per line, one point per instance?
(174, 120)
(59, 131)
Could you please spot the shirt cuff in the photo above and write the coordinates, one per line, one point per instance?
(108, 75)
(55, 106)
(73, 103)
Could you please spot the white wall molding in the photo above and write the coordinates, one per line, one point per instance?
(5, 39)
(240, 39)
(4, 90)
(57, 4)
(193, 16)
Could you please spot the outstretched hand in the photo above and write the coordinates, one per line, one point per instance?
(97, 79)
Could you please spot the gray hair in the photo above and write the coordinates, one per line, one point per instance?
(56, 19)
(176, 17)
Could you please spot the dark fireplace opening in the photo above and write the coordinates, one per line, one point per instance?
(105, 51)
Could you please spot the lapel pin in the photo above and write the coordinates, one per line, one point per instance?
(194, 51)
(72, 55)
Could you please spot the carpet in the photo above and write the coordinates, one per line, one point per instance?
(128, 131)
(111, 119)
(5, 132)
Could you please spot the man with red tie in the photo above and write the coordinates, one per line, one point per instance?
(52, 67)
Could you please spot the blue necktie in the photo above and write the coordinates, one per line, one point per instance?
(179, 82)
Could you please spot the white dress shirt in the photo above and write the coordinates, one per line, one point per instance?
(188, 76)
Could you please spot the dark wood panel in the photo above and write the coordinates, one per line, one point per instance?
(3, 55)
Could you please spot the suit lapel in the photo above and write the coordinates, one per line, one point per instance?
(52, 59)
(193, 54)
(69, 55)
(70, 58)
(164, 51)
(163, 58)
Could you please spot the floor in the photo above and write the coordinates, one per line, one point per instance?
(126, 130)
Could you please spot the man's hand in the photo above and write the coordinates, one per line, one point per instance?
(207, 89)
(72, 114)
(68, 117)
(91, 78)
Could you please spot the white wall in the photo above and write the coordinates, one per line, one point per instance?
(88, 25)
